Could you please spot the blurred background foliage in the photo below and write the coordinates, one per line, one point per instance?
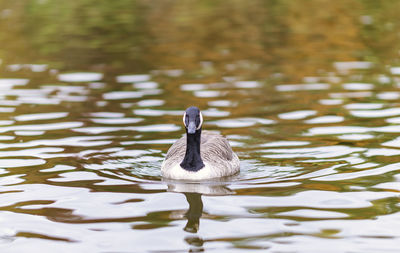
(256, 37)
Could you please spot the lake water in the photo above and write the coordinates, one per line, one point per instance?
(81, 145)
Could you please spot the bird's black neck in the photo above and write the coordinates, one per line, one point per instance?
(192, 160)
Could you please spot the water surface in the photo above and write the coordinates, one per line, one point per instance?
(83, 135)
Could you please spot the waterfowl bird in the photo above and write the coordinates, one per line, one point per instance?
(200, 154)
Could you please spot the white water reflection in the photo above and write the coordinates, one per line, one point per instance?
(222, 103)
(363, 106)
(29, 133)
(116, 121)
(358, 86)
(376, 113)
(15, 163)
(317, 152)
(193, 87)
(145, 85)
(116, 95)
(150, 102)
(359, 94)
(388, 95)
(209, 93)
(359, 174)
(11, 82)
(41, 127)
(133, 78)
(41, 116)
(356, 137)
(240, 122)
(297, 114)
(80, 77)
(298, 87)
(325, 119)
(330, 101)
(247, 84)
(345, 67)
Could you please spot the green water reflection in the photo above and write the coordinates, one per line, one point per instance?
(214, 38)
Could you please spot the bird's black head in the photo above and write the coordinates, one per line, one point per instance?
(193, 119)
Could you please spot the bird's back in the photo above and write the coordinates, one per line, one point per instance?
(215, 151)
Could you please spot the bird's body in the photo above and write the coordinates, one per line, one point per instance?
(200, 154)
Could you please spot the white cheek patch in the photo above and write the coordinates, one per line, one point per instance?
(184, 119)
(201, 121)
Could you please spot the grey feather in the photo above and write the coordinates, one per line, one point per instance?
(214, 150)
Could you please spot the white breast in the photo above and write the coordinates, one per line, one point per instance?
(177, 172)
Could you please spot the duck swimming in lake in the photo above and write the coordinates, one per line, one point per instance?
(200, 154)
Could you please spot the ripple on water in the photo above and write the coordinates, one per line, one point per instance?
(358, 86)
(11, 180)
(390, 95)
(392, 143)
(208, 93)
(356, 137)
(330, 101)
(284, 144)
(107, 114)
(41, 116)
(132, 78)
(7, 83)
(116, 95)
(334, 130)
(395, 70)
(295, 115)
(41, 127)
(145, 85)
(359, 174)
(149, 128)
(14, 163)
(6, 137)
(240, 122)
(358, 94)
(150, 102)
(193, 86)
(222, 103)
(315, 214)
(154, 112)
(395, 120)
(29, 133)
(80, 77)
(345, 67)
(116, 121)
(325, 119)
(299, 87)
(314, 152)
(363, 106)
(316, 199)
(376, 113)
(6, 122)
(247, 84)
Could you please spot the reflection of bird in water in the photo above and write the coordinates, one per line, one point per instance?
(193, 192)
(194, 212)
(199, 155)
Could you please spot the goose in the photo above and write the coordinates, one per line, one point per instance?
(200, 154)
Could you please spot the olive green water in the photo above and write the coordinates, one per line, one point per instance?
(92, 94)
